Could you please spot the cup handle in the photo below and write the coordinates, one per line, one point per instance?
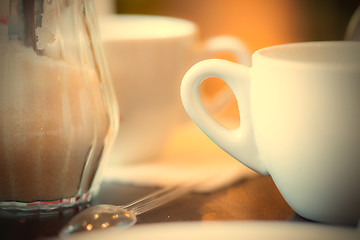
(228, 44)
(242, 55)
(240, 142)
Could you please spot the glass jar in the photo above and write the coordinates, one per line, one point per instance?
(58, 113)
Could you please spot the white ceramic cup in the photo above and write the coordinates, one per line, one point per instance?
(299, 108)
(147, 57)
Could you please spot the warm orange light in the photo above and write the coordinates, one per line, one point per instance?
(89, 227)
(259, 23)
(105, 225)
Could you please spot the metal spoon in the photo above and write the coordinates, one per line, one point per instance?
(353, 28)
(104, 216)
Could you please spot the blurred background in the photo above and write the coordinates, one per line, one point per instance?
(259, 23)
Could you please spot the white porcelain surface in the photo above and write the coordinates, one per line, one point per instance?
(244, 230)
(299, 107)
(147, 57)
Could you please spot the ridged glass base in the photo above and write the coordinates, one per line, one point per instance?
(34, 207)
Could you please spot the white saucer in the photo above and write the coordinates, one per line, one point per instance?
(244, 230)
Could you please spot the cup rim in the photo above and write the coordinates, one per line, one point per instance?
(175, 27)
(266, 54)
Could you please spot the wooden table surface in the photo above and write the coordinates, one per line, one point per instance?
(252, 199)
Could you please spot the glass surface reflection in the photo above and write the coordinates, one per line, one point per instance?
(57, 106)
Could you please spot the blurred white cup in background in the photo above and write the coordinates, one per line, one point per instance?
(148, 56)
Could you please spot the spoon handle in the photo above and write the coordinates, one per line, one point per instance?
(159, 198)
(353, 28)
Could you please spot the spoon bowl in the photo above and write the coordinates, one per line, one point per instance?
(100, 217)
(104, 216)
